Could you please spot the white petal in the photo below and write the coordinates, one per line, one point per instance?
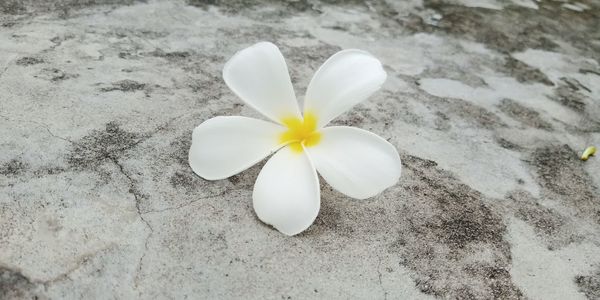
(355, 162)
(259, 76)
(286, 193)
(344, 80)
(224, 146)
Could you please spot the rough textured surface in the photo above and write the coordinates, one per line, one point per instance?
(489, 102)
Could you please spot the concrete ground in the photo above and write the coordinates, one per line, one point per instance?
(489, 103)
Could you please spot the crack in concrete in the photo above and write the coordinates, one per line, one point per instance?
(137, 196)
(223, 193)
(44, 126)
(83, 259)
(132, 190)
(379, 275)
(79, 263)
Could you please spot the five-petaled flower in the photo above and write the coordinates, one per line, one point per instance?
(286, 194)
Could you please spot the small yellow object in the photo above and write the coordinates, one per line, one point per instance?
(590, 151)
(300, 132)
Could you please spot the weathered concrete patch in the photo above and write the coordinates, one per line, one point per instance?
(525, 73)
(550, 223)
(561, 174)
(543, 272)
(54, 75)
(99, 200)
(568, 95)
(13, 285)
(523, 114)
(28, 61)
(589, 284)
(13, 167)
(63, 8)
(12, 7)
(125, 86)
(452, 240)
(234, 7)
(514, 28)
(101, 146)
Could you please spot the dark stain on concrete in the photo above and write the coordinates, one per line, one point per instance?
(585, 125)
(197, 64)
(48, 170)
(471, 113)
(330, 218)
(506, 144)
(28, 61)
(455, 108)
(544, 220)
(248, 35)
(525, 73)
(311, 56)
(180, 179)
(523, 114)
(204, 72)
(125, 86)
(442, 121)
(354, 118)
(514, 28)
(171, 56)
(235, 179)
(208, 87)
(589, 284)
(477, 115)
(100, 146)
(13, 167)
(12, 7)
(17, 167)
(180, 148)
(384, 109)
(569, 93)
(498, 279)
(443, 225)
(7, 23)
(561, 174)
(379, 9)
(574, 84)
(460, 230)
(187, 180)
(59, 39)
(481, 26)
(55, 75)
(473, 222)
(15, 285)
(589, 71)
(64, 8)
(236, 6)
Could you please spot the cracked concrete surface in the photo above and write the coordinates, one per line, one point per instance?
(489, 102)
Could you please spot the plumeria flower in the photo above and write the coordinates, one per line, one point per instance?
(286, 194)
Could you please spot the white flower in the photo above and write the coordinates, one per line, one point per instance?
(286, 194)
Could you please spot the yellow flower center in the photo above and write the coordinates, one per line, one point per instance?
(300, 132)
